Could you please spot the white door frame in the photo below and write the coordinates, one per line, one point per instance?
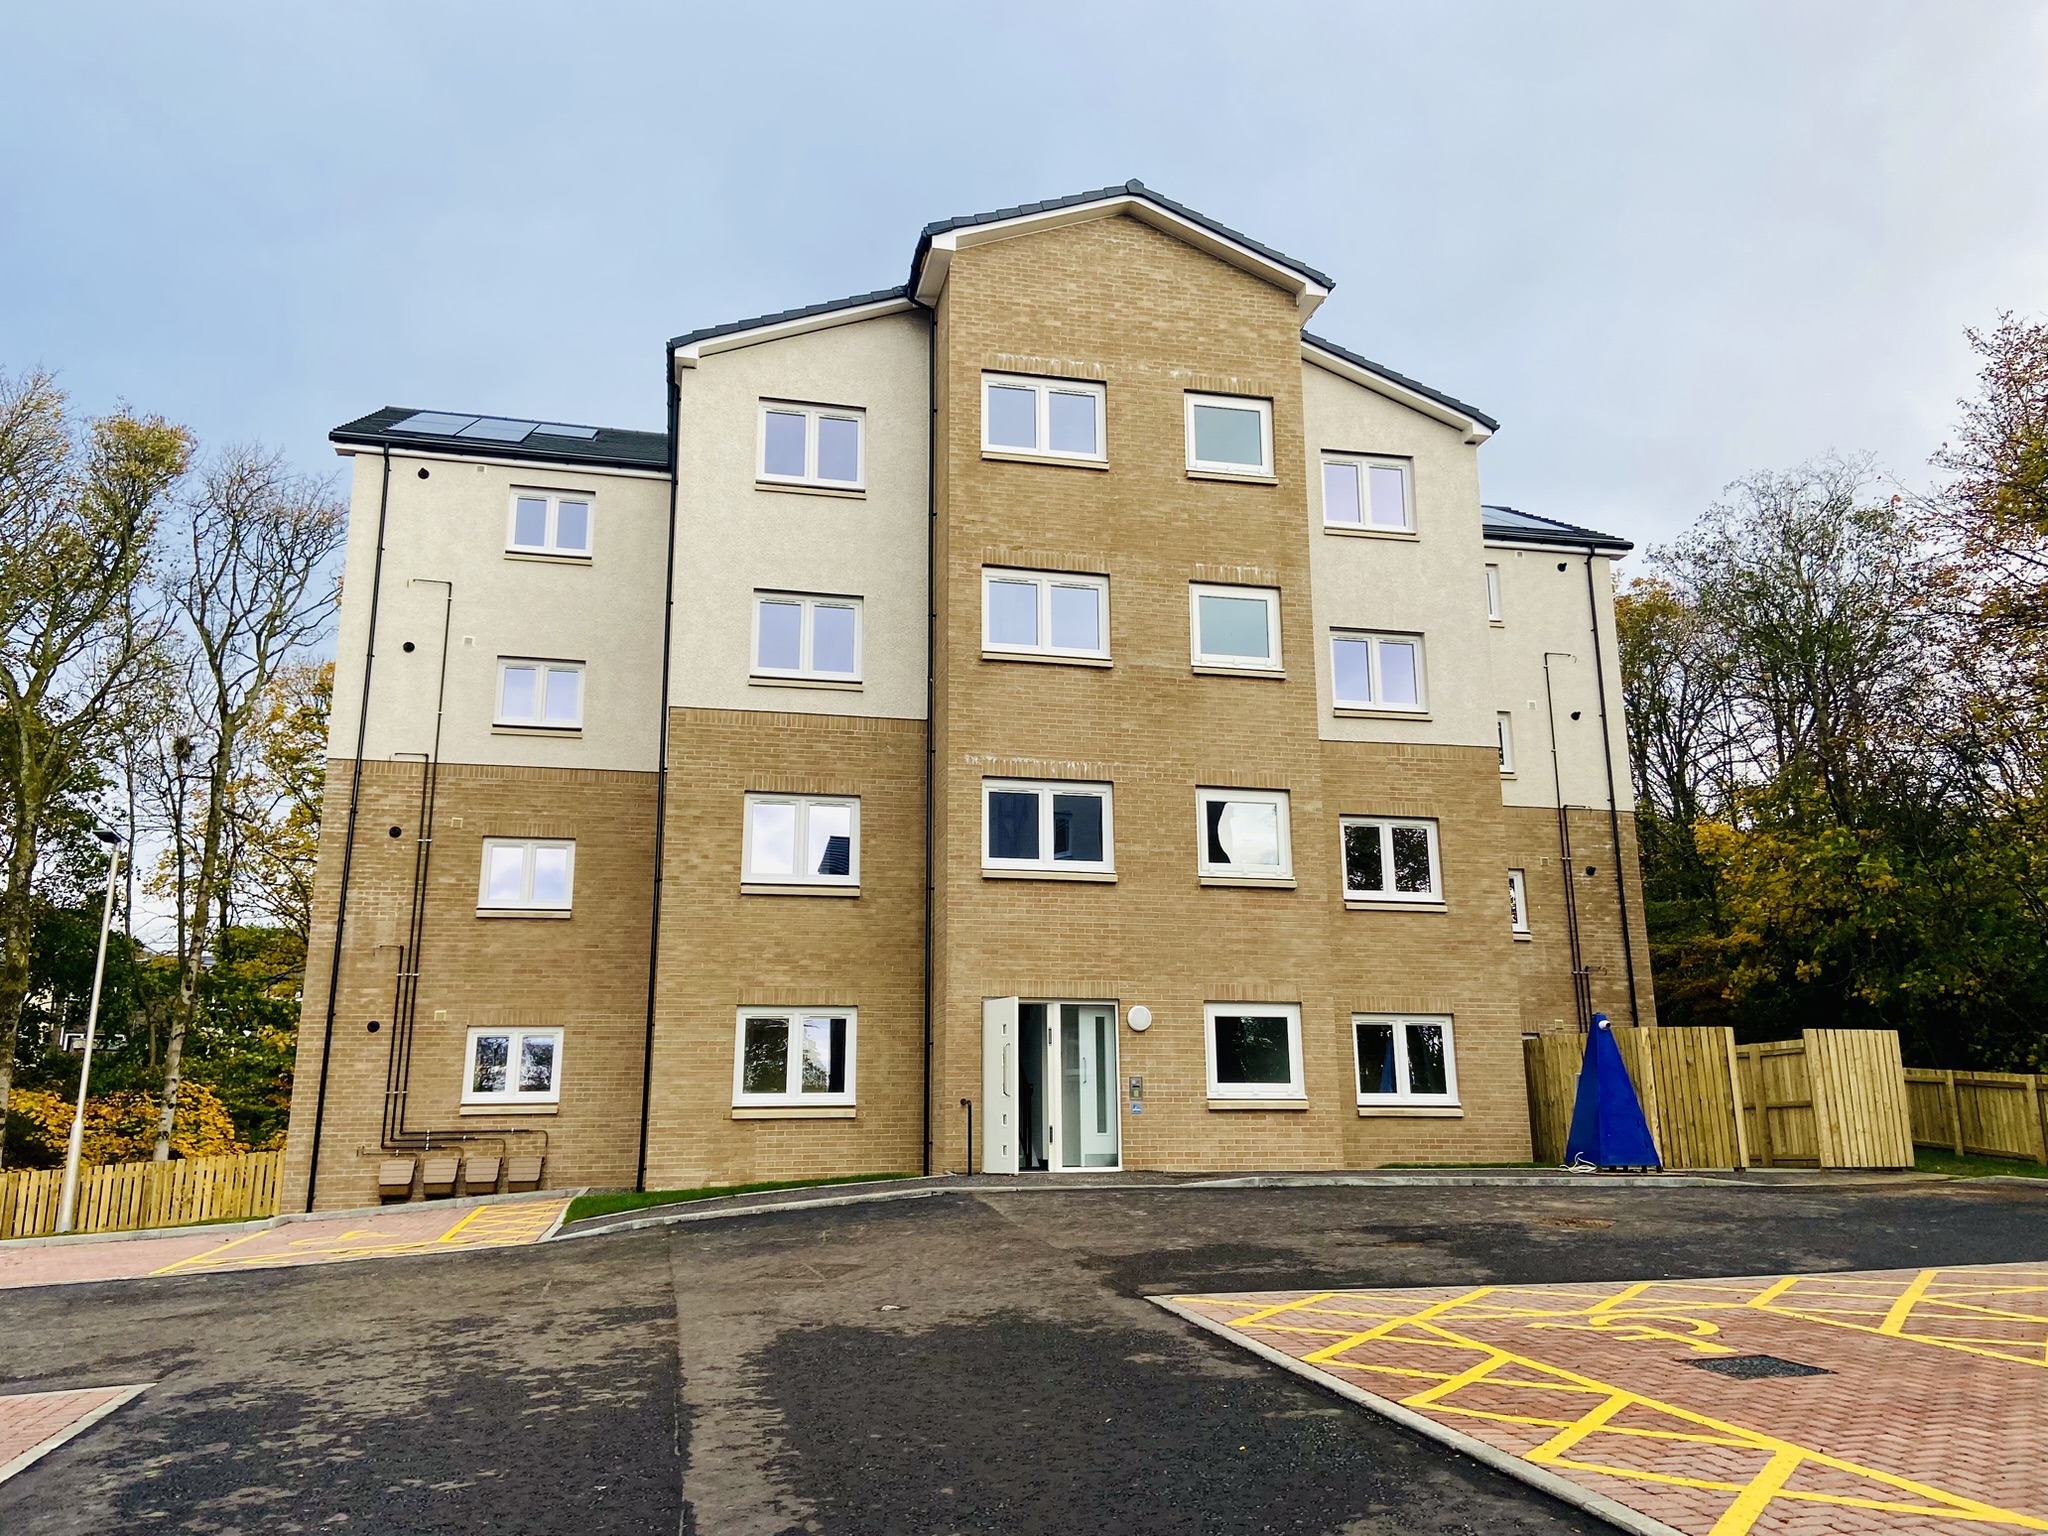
(1052, 1080)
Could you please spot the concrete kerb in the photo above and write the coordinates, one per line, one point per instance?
(1599, 1505)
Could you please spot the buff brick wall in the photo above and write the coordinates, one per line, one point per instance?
(1544, 962)
(586, 974)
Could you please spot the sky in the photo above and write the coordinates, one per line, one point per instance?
(1666, 245)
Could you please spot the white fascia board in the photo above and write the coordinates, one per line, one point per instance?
(545, 466)
(1607, 552)
(1475, 432)
(732, 341)
(938, 261)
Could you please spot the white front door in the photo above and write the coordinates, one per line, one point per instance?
(1088, 1103)
(999, 1046)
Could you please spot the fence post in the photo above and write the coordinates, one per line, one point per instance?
(2034, 1120)
(1955, 1108)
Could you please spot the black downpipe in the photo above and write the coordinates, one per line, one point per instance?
(931, 719)
(660, 773)
(1628, 946)
(1582, 981)
(348, 847)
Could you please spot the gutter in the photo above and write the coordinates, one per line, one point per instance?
(668, 611)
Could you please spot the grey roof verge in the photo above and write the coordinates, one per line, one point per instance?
(1130, 189)
(611, 448)
(733, 327)
(1527, 528)
(1401, 379)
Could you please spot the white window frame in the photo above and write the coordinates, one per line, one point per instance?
(1365, 463)
(1433, 897)
(1518, 903)
(1260, 471)
(792, 1097)
(1045, 389)
(1246, 873)
(811, 414)
(805, 670)
(1045, 789)
(511, 1094)
(548, 545)
(1374, 640)
(1404, 1097)
(1293, 1088)
(526, 902)
(1504, 731)
(1197, 590)
(1045, 581)
(750, 876)
(1493, 607)
(539, 721)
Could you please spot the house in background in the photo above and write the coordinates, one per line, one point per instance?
(1060, 696)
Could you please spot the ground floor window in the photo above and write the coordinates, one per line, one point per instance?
(513, 1066)
(1254, 1050)
(794, 1056)
(1404, 1060)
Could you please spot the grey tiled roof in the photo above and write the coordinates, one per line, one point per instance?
(879, 296)
(1528, 528)
(609, 447)
(1401, 379)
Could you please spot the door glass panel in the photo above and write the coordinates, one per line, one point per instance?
(1071, 1087)
(1098, 1143)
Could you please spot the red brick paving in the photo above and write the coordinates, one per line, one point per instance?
(35, 1423)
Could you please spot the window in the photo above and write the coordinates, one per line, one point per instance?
(523, 874)
(1059, 418)
(807, 637)
(1366, 493)
(1404, 1060)
(545, 523)
(1046, 826)
(1254, 1050)
(1244, 834)
(540, 695)
(1376, 671)
(1518, 903)
(1044, 613)
(811, 445)
(1390, 861)
(794, 840)
(513, 1066)
(1228, 435)
(1493, 593)
(1235, 627)
(1504, 728)
(794, 1056)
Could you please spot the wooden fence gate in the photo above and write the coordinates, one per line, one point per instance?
(1991, 1114)
(125, 1196)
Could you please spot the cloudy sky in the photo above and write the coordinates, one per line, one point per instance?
(1665, 244)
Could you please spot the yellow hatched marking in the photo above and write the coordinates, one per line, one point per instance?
(1895, 1316)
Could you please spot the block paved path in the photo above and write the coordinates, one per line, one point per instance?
(1927, 1410)
(32, 1424)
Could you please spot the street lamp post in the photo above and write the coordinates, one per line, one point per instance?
(67, 1205)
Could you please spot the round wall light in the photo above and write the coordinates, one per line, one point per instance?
(1139, 1018)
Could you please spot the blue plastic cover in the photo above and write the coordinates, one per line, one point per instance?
(1608, 1128)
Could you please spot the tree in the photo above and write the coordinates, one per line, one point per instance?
(253, 586)
(78, 513)
(275, 801)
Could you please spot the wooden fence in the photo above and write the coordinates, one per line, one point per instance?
(123, 1196)
(1684, 1079)
(1991, 1114)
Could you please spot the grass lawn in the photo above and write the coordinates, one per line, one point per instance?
(1932, 1160)
(635, 1200)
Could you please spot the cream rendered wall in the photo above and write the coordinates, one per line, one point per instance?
(1431, 584)
(1545, 609)
(734, 537)
(453, 527)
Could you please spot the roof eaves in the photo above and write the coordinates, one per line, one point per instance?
(784, 317)
(1450, 402)
(1554, 531)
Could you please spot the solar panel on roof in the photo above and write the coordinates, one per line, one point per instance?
(556, 429)
(497, 429)
(440, 423)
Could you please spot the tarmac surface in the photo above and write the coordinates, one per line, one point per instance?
(971, 1361)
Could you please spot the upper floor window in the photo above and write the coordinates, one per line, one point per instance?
(527, 874)
(1404, 1060)
(1230, 435)
(808, 638)
(543, 695)
(1518, 903)
(816, 445)
(1052, 826)
(793, 1056)
(1235, 627)
(1367, 493)
(1376, 671)
(1388, 860)
(801, 840)
(1059, 418)
(1493, 610)
(549, 523)
(1244, 834)
(1044, 613)
(1504, 727)
(513, 1066)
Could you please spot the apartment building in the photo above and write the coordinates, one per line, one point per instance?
(1056, 714)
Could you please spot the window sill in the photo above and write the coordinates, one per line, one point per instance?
(1286, 1104)
(546, 557)
(1211, 669)
(1361, 904)
(794, 1112)
(1249, 477)
(1045, 660)
(1273, 882)
(1089, 876)
(558, 732)
(1021, 456)
(509, 1109)
(1346, 531)
(1352, 712)
(1525, 938)
(1497, 623)
(834, 685)
(845, 492)
(555, 913)
(770, 888)
(1410, 1112)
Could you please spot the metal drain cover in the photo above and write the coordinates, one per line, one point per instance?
(1756, 1367)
